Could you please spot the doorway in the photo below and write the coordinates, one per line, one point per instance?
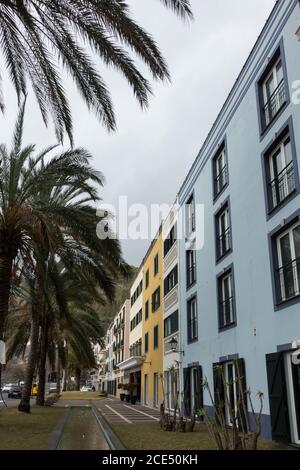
(292, 373)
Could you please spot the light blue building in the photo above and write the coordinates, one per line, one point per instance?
(240, 294)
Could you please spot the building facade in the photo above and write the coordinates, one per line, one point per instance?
(240, 293)
(121, 327)
(131, 366)
(152, 324)
(171, 315)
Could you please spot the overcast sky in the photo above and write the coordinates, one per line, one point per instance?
(151, 153)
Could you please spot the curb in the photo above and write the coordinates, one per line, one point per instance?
(112, 439)
(55, 436)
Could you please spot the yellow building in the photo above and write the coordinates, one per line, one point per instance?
(152, 326)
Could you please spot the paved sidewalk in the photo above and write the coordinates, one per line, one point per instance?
(116, 411)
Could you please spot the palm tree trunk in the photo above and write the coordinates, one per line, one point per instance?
(58, 381)
(6, 262)
(64, 381)
(40, 399)
(77, 379)
(30, 366)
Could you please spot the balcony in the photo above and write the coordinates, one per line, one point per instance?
(221, 180)
(288, 281)
(131, 363)
(226, 312)
(224, 243)
(282, 186)
(191, 275)
(276, 101)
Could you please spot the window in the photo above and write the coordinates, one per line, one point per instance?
(171, 280)
(281, 171)
(223, 232)
(226, 300)
(147, 310)
(220, 171)
(170, 240)
(155, 337)
(171, 324)
(288, 272)
(192, 320)
(190, 268)
(136, 320)
(272, 90)
(137, 293)
(156, 300)
(147, 279)
(146, 342)
(156, 265)
(190, 216)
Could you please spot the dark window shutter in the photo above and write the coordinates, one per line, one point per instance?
(187, 391)
(219, 392)
(242, 396)
(199, 390)
(278, 397)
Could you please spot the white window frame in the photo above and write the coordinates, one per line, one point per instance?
(219, 169)
(227, 412)
(295, 435)
(272, 73)
(223, 300)
(190, 217)
(193, 319)
(280, 148)
(224, 214)
(290, 232)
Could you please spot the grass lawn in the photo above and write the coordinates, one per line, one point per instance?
(149, 436)
(20, 431)
(80, 396)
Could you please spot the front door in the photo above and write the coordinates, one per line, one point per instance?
(292, 370)
(231, 390)
(146, 392)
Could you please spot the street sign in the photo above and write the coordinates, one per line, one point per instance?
(2, 353)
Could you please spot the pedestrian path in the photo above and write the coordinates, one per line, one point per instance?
(116, 411)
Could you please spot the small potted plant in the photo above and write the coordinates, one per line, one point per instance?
(122, 394)
(126, 391)
(132, 390)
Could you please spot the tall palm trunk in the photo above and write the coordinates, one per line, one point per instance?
(6, 261)
(31, 365)
(58, 368)
(77, 379)
(64, 381)
(37, 313)
(40, 399)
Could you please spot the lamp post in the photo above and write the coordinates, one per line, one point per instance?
(174, 345)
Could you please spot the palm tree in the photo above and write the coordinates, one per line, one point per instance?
(69, 328)
(38, 35)
(72, 296)
(45, 207)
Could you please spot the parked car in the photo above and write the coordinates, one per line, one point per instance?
(53, 387)
(15, 392)
(6, 388)
(86, 388)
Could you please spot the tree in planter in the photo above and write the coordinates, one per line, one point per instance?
(240, 435)
(132, 389)
(172, 421)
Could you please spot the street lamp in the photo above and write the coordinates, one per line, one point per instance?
(174, 345)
